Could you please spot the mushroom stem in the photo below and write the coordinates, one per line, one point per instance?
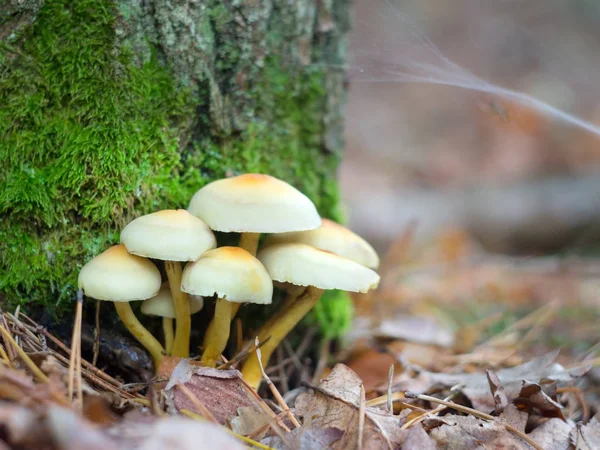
(293, 292)
(168, 332)
(217, 333)
(183, 320)
(289, 319)
(249, 242)
(140, 332)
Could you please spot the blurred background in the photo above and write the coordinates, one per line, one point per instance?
(517, 179)
(485, 208)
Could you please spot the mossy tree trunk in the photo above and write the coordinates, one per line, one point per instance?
(109, 110)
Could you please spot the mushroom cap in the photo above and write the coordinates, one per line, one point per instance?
(169, 235)
(303, 265)
(118, 276)
(230, 272)
(161, 305)
(334, 238)
(254, 203)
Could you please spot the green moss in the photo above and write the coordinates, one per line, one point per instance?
(89, 139)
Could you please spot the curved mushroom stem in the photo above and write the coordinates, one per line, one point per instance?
(183, 319)
(219, 333)
(140, 332)
(290, 318)
(168, 332)
(293, 292)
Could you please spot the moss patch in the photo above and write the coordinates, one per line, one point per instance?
(90, 139)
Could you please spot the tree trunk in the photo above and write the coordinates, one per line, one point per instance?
(109, 110)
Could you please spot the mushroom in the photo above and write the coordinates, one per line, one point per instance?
(251, 204)
(119, 277)
(331, 237)
(303, 265)
(334, 238)
(161, 305)
(235, 276)
(172, 236)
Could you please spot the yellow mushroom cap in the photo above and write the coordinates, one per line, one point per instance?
(334, 238)
(254, 203)
(161, 305)
(230, 272)
(169, 235)
(303, 265)
(119, 276)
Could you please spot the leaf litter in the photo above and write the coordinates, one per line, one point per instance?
(452, 385)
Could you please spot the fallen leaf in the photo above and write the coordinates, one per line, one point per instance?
(248, 421)
(477, 387)
(372, 367)
(532, 396)
(498, 394)
(469, 432)
(552, 434)
(417, 439)
(587, 437)
(220, 391)
(512, 416)
(336, 404)
(306, 439)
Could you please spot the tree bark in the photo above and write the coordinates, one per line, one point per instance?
(109, 110)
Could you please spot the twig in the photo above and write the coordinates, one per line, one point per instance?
(284, 381)
(323, 357)
(275, 423)
(26, 359)
(192, 415)
(361, 418)
(242, 355)
(390, 402)
(433, 412)
(76, 352)
(475, 413)
(273, 389)
(97, 335)
(300, 351)
(9, 349)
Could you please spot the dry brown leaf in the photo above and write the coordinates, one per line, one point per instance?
(336, 404)
(552, 434)
(498, 394)
(417, 439)
(306, 439)
(587, 437)
(468, 432)
(512, 416)
(533, 396)
(248, 421)
(477, 387)
(372, 367)
(220, 391)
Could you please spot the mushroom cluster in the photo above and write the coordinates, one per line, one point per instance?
(303, 253)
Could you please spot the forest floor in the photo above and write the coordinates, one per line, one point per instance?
(455, 350)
